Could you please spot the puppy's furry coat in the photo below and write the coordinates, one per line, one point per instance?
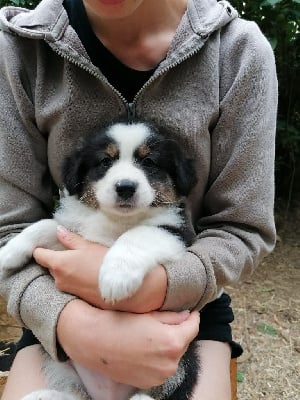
(124, 188)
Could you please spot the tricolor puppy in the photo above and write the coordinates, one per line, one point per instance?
(124, 187)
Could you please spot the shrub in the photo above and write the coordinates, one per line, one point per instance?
(19, 3)
(280, 22)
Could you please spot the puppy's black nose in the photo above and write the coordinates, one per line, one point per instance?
(125, 188)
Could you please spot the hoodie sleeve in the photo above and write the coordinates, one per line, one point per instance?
(237, 227)
(25, 197)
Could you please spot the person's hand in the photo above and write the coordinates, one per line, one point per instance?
(76, 270)
(141, 350)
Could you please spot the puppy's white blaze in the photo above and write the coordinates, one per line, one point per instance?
(129, 138)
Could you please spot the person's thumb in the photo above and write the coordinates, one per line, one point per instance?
(170, 317)
(70, 240)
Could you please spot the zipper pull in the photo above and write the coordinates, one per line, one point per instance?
(130, 112)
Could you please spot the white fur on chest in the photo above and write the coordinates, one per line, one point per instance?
(97, 227)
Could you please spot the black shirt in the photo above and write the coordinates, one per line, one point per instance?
(126, 80)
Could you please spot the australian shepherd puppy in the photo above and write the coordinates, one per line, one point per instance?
(124, 187)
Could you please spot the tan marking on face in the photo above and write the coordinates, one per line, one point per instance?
(89, 197)
(143, 151)
(165, 194)
(112, 150)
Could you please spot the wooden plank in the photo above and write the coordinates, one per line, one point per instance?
(233, 378)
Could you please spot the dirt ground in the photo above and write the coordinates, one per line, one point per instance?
(267, 321)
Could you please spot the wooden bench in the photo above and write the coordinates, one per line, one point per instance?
(233, 378)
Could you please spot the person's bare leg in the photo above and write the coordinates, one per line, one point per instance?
(25, 375)
(214, 377)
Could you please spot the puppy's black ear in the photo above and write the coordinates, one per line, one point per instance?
(185, 177)
(72, 173)
(182, 169)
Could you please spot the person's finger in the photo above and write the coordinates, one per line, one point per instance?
(44, 257)
(190, 327)
(70, 240)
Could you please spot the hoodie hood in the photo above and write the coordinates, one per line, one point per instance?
(49, 19)
(207, 16)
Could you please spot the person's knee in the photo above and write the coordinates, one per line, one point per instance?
(25, 375)
(214, 377)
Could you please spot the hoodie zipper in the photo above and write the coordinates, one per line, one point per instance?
(168, 68)
(130, 111)
(130, 106)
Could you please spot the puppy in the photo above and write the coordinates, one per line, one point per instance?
(124, 187)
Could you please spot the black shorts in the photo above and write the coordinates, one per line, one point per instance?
(214, 325)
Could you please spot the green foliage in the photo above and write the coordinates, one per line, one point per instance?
(240, 377)
(280, 22)
(268, 329)
(19, 3)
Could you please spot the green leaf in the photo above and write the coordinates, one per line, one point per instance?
(265, 289)
(296, 1)
(273, 42)
(264, 328)
(270, 2)
(240, 377)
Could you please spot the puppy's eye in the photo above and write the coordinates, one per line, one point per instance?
(148, 162)
(106, 162)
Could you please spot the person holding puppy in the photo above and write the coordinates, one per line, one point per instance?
(209, 77)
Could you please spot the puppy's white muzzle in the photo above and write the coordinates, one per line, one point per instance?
(124, 189)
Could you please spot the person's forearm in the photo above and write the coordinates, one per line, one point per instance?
(149, 297)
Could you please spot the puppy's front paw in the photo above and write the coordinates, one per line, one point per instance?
(48, 395)
(15, 254)
(119, 279)
(141, 396)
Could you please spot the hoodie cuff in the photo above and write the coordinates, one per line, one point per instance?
(190, 284)
(40, 307)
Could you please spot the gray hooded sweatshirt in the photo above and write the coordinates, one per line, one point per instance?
(216, 91)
